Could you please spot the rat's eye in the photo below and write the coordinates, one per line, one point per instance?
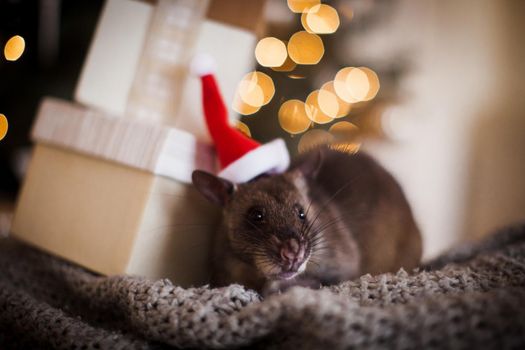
(256, 214)
(300, 213)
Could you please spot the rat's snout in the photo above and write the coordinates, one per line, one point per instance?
(292, 254)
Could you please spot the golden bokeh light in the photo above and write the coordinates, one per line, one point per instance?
(314, 138)
(305, 48)
(250, 92)
(373, 81)
(293, 118)
(3, 126)
(345, 137)
(305, 23)
(313, 110)
(357, 84)
(343, 107)
(271, 52)
(14, 48)
(243, 108)
(321, 19)
(328, 103)
(256, 89)
(288, 65)
(243, 128)
(300, 6)
(267, 86)
(341, 86)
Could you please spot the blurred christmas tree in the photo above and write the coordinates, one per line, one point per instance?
(310, 86)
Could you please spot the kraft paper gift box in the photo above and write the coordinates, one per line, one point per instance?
(113, 195)
(108, 186)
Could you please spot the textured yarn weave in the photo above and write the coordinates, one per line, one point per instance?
(472, 297)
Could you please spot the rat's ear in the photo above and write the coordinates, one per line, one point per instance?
(214, 188)
(310, 164)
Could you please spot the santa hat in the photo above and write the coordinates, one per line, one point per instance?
(241, 158)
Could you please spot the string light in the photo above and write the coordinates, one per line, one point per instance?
(313, 110)
(293, 118)
(3, 126)
(255, 90)
(14, 48)
(243, 108)
(345, 137)
(243, 128)
(271, 52)
(305, 48)
(320, 19)
(357, 84)
(314, 138)
(300, 6)
(373, 81)
(343, 107)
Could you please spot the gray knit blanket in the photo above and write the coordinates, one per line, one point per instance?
(472, 297)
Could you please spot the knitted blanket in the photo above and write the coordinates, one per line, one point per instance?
(471, 297)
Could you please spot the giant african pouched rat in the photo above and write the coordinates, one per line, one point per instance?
(331, 217)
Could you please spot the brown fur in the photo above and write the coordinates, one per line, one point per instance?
(357, 221)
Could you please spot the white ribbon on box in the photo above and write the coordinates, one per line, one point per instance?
(154, 148)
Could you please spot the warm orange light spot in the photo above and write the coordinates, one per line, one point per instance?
(300, 6)
(293, 118)
(314, 138)
(357, 84)
(3, 126)
(322, 19)
(287, 66)
(373, 81)
(343, 106)
(345, 137)
(14, 48)
(313, 110)
(250, 92)
(255, 89)
(271, 52)
(341, 85)
(243, 128)
(243, 108)
(305, 48)
(327, 102)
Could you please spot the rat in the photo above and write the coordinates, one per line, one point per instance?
(331, 217)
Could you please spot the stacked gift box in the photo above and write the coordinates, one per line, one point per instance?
(109, 183)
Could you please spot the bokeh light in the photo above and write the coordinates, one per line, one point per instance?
(343, 107)
(314, 138)
(250, 92)
(357, 84)
(320, 19)
(313, 110)
(288, 65)
(305, 48)
(300, 6)
(373, 81)
(255, 90)
(271, 52)
(243, 128)
(243, 108)
(341, 86)
(3, 126)
(345, 137)
(14, 48)
(293, 118)
(328, 103)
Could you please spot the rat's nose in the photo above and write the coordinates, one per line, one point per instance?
(292, 251)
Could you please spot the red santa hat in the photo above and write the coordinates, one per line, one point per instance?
(241, 158)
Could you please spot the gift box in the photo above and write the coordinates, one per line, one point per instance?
(109, 183)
